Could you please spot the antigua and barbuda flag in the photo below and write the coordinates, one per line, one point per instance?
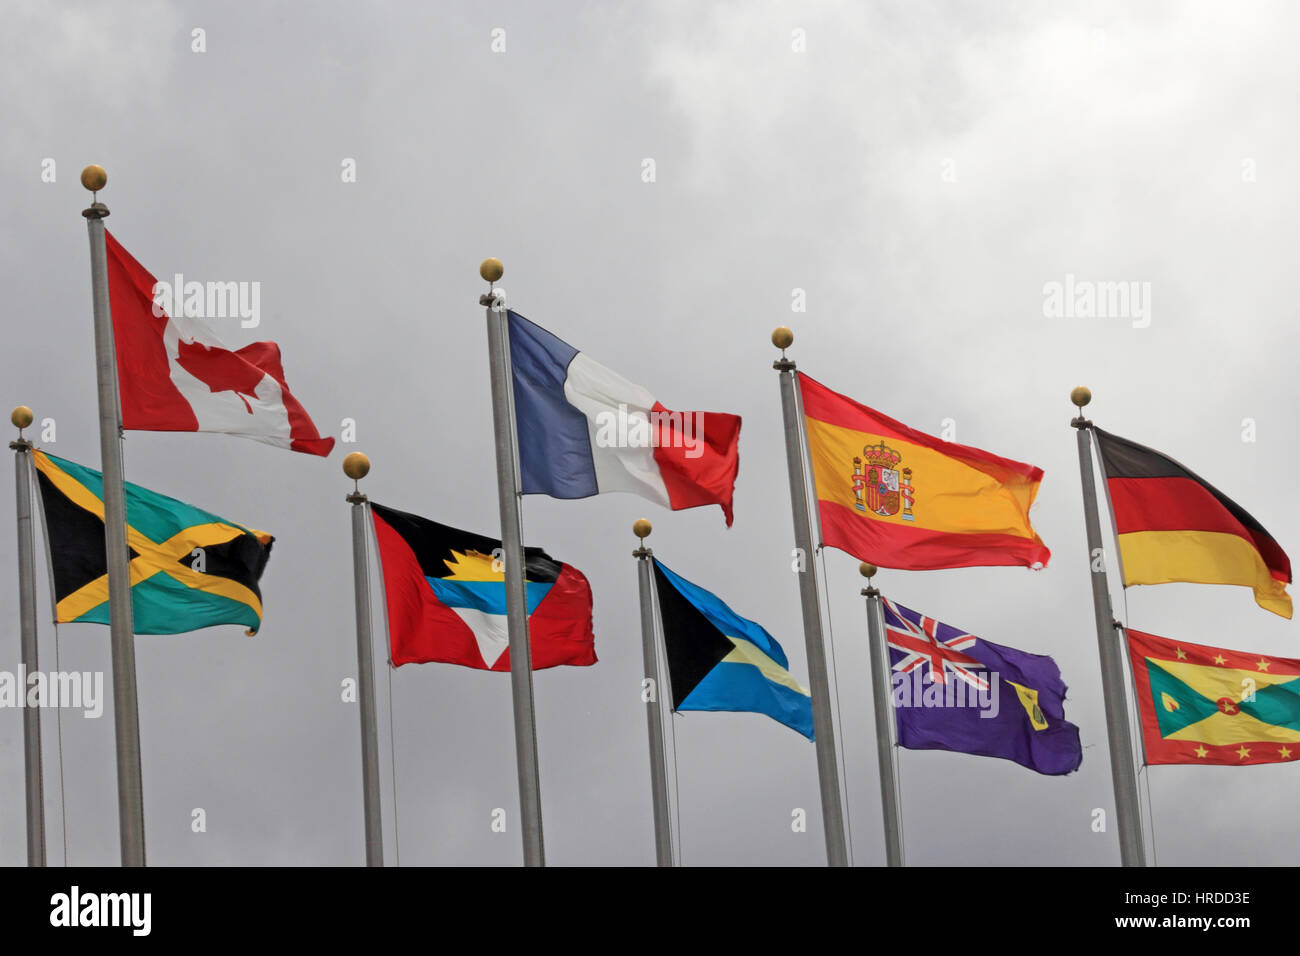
(954, 691)
(446, 596)
(718, 660)
(189, 568)
(174, 375)
(1211, 705)
(1174, 525)
(900, 498)
(585, 430)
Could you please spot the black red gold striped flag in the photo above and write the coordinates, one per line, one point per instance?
(1174, 525)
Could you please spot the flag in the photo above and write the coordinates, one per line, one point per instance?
(1176, 526)
(955, 691)
(173, 374)
(189, 568)
(585, 430)
(899, 498)
(446, 597)
(1212, 705)
(718, 660)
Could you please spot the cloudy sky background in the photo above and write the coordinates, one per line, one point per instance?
(921, 170)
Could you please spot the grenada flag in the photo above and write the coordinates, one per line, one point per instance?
(1214, 705)
(899, 498)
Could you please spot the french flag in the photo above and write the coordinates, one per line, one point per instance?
(584, 430)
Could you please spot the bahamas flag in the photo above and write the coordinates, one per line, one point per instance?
(446, 597)
(1211, 705)
(189, 568)
(718, 660)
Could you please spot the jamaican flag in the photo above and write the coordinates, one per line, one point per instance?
(1212, 705)
(189, 568)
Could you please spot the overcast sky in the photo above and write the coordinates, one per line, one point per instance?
(920, 170)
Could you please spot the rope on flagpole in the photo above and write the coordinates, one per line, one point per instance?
(1139, 758)
(392, 732)
(58, 666)
(898, 792)
(677, 798)
(392, 761)
(898, 762)
(1142, 768)
(661, 656)
(58, 725)
(839, 716)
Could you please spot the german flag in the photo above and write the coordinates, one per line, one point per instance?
(1211, 705)
(1175, 526)
(900, 498)
(189, 568)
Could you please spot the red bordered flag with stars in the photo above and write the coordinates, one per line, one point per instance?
(1213, 705)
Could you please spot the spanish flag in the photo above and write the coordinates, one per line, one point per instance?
(899, 498)
(1175, 526)
(1212, 705)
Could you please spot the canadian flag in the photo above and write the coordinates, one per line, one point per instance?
(173, 374)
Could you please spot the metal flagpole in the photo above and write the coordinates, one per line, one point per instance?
(126, 715)
(823, 728)
(881, 692)
(654, 706)
(1127, 808)
(21, 418)
(512, 556)
(356, 466)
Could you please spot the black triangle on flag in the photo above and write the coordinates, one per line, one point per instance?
(693, 644)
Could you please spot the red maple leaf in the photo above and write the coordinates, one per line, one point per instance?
(221, 370)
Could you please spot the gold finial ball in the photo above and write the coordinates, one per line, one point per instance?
(491, 270)
(641, 528)
(94, 178)
(782, 337)
(21, 416)
(1081, 396)
(867, 570)
(356, 466)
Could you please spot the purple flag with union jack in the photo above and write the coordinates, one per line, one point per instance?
(954, 691)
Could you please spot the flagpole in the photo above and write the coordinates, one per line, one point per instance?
(654, 706)
(1119, 738)
(512, 548)
(882, 693)
(22, 418)
(126, 714)
(356, 466)
(828, 775)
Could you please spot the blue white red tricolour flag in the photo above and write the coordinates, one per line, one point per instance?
(585, 430)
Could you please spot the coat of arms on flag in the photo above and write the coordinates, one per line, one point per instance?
(879, 486)
(974, 510)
